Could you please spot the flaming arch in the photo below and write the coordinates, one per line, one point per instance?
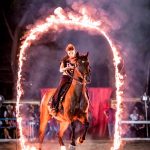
(70, 21)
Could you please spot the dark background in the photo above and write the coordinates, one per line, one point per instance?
(130, 28)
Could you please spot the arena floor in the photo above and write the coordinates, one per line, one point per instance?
(88, 145)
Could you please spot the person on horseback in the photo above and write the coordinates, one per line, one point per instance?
(75, 70)
(67, 66)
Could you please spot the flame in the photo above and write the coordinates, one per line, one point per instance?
(67, 20)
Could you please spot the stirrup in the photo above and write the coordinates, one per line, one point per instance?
(50, 105)
(50, 101)
(52, 111)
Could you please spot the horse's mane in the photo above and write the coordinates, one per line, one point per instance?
(83, 57)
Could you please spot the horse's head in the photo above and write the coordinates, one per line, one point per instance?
(83, 66)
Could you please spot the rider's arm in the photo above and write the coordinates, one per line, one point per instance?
(63, 69)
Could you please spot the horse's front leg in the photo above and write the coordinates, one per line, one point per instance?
(63, 127)
(82, 138)
(73, 143)
(84, 117)
(73, 134)
(85, 122)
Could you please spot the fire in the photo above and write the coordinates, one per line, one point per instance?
(70, 21)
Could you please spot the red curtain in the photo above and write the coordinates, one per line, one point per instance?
(99, 101)
(99, 98)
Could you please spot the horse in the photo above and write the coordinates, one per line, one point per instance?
(75, 105)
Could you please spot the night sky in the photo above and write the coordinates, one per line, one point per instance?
(130, 23)
(6, 75)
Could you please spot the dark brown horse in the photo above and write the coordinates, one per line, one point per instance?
(75, 105)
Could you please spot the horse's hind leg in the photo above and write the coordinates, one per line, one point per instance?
(63, 127)
(44, 117)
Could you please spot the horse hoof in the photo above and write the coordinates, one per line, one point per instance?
(79, 140)
(63, 147)
(72, 147)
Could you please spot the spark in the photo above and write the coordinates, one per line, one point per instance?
(70, 21)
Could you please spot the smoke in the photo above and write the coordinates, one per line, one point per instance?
(128, 25)
(41, 70)
(100, 55)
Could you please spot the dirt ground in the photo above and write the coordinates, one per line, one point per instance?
(88, 145)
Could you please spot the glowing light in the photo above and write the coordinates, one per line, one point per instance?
(68, 20)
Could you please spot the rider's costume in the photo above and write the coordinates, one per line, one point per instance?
(63, 86)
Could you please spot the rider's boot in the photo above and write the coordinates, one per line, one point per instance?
(58, 105)
(57, 108)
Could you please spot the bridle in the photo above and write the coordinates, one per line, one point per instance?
(81, 79)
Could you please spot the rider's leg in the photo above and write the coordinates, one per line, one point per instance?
(54, 101)
(61, 90)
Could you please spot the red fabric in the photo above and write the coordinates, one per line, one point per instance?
(99, 98)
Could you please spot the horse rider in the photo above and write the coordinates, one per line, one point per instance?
(67, 66)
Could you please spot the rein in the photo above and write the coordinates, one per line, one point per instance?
(74, 78)
(77, 78)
